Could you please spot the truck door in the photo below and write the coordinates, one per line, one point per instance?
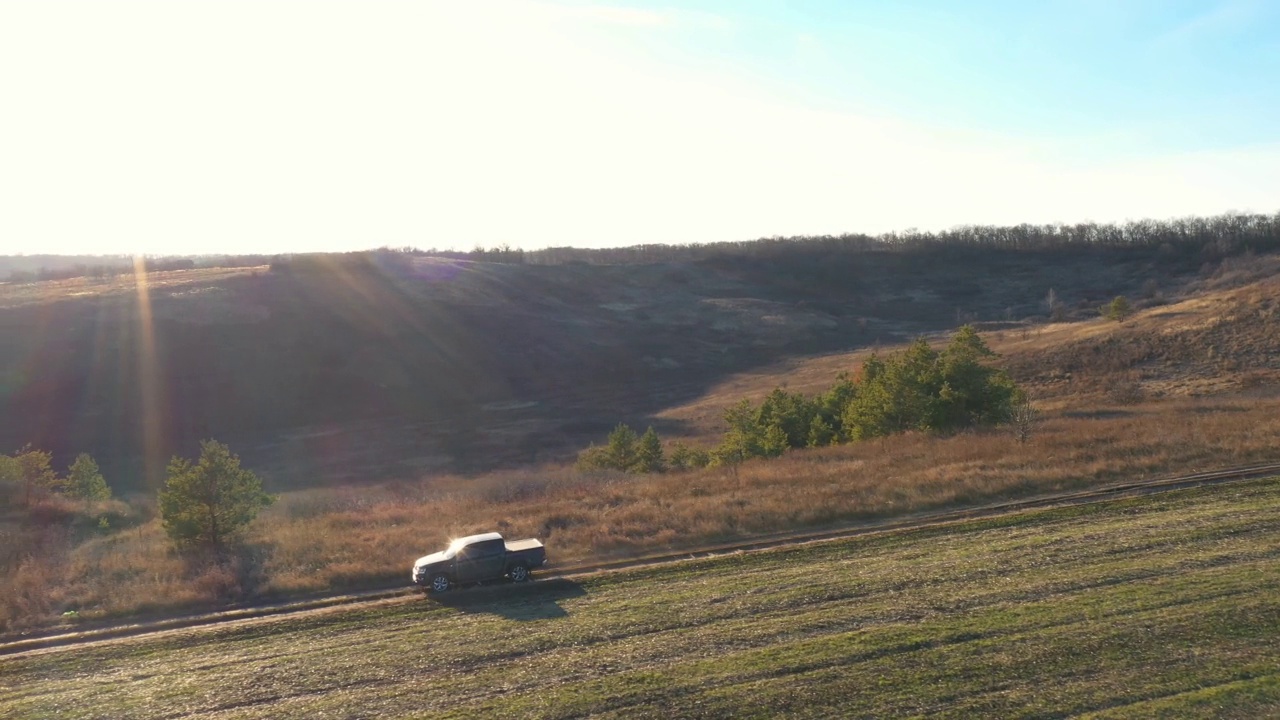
(482, 561)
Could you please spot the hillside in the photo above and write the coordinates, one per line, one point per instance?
(1166, 407)
(1164, 606)
(343, 369)
(1220, 337)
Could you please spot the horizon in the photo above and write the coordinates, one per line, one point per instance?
(165, 129)
(880, 237)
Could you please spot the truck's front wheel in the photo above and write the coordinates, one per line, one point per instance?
(519, 573)
(439, 583)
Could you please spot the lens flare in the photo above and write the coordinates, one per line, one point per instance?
(148, 380)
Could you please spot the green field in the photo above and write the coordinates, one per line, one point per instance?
(1166, 606)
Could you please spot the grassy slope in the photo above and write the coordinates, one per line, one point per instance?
(351, 374)
(335, 538)
(1219, 340)
(1163, 606)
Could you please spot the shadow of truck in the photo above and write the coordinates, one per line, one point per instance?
(537, 600)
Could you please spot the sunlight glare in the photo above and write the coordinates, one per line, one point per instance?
(148, 378)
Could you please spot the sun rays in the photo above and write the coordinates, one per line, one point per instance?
(152, 416)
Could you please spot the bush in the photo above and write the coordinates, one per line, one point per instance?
(625, 452)
(1117, 310)
(685, 457)
(28, 474)
(218, 582)
(1023, 418)
(922, 389)
(916, 389)
(10, 480)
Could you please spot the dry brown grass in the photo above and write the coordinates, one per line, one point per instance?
(35, 545)
(1219, 342)
(1108, 420)
(45, 291)
(316, 540)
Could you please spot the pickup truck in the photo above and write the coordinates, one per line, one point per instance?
(477, 558)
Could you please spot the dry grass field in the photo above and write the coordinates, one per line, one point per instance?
(1118, 401)
(357, 369)
(1162, 606)
(88, 288)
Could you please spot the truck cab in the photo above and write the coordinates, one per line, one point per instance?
(478, 558)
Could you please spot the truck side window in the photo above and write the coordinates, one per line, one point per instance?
(486, 549)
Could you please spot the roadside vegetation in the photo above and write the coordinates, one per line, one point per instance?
(204, 509)
(355, 537)
(1163, 606)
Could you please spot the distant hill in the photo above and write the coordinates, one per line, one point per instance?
(323, 369)
(36, 264)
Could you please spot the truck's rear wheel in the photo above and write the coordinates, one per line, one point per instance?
(519, 573)
(439, 583)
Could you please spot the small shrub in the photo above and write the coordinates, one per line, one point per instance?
(1117, 310)
(1022, 417)
(218, 582)
(1125, 391)
(686, 457)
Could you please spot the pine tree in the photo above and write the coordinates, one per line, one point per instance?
(821, 433)
(681, 456)
(85, 481)
(775, 442)
(896, 394)
(10, 477)
(744, 439)
(972, 393)
(35, 467)
(1118, 309)
(209, 503)
(684, 457)
(649, 458)
(793, 413)
(832, 405)
(621, 452)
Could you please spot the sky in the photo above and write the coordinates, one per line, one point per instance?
(201, 127)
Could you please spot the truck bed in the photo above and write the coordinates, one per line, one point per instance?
(519, 545)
